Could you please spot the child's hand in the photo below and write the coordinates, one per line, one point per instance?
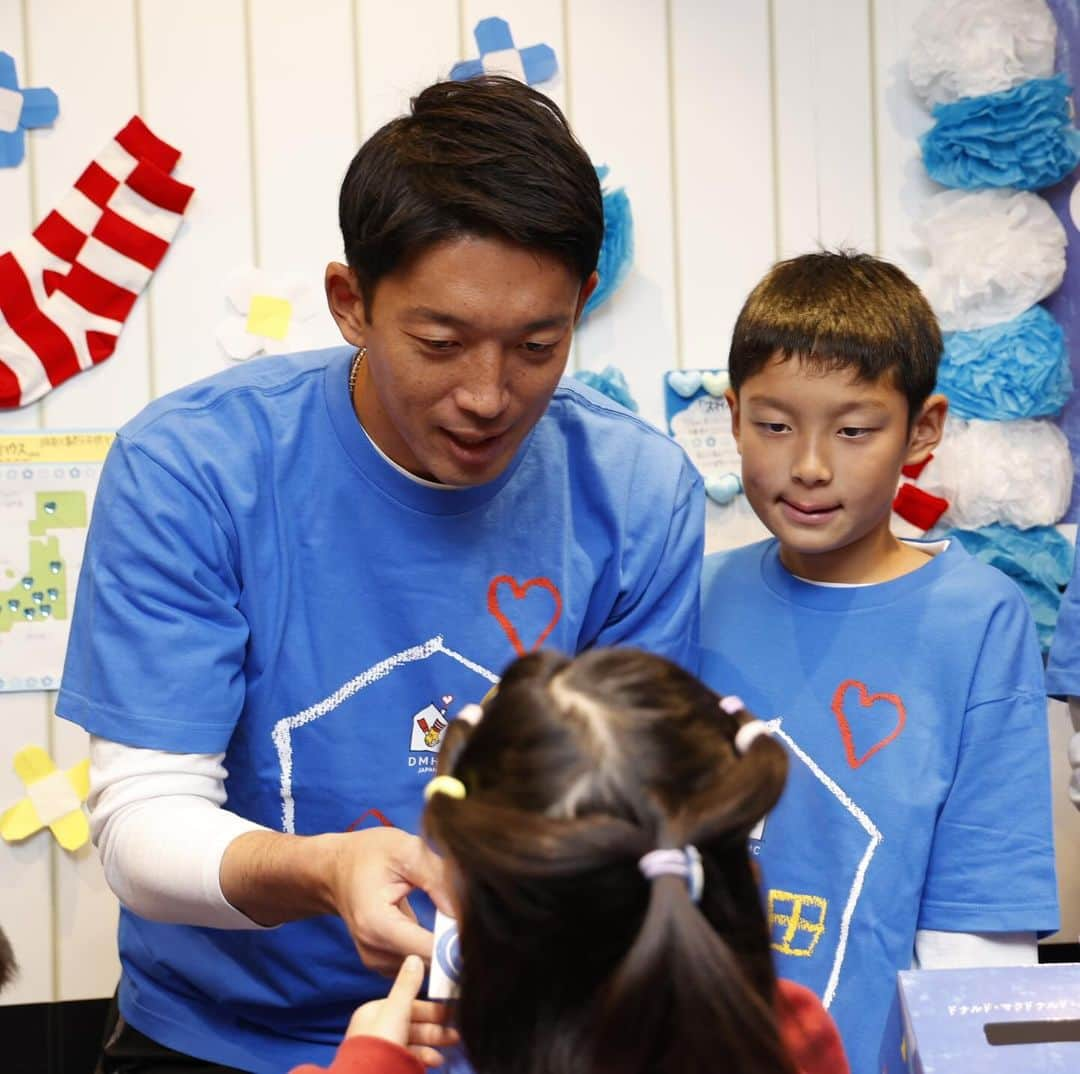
(416, 1024)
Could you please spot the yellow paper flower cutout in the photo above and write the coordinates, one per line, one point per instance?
(54, 800)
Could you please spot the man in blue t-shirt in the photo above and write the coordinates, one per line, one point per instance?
(299, 570)
(904, 677)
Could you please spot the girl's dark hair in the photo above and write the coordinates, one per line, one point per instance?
(573, 962)
(489, 156)
(840, 310)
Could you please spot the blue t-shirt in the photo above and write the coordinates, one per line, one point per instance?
(259, 580)
(918, 794)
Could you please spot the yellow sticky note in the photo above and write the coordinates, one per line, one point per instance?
(269, 316)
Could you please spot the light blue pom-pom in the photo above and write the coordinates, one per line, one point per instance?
(1022, 137)
(1017, 369)
(617, 249)
(1039, 560)
(610, 382)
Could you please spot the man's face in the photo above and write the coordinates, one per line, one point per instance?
(821, 457)
(465, 345)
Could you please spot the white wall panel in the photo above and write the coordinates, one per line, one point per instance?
(87, 53)
(824, 124)
(724, 190)
(206, 118)
(901, 118)
(391, 72)
(618, 99)
(305, 122)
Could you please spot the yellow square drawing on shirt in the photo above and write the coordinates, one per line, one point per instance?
(798, 922)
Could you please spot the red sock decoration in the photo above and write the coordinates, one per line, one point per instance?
(67, 289)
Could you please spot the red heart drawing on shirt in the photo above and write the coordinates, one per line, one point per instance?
(519, 592)
(866, 701)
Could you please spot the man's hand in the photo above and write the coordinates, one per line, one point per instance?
(373, 873)
(365, 877)
(415, 1024)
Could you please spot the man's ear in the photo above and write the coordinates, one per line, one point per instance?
(927, 429)
(587, 289)
(346, 303)
(733, 406)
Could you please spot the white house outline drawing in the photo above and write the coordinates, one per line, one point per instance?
(283, 729)
(871, 830)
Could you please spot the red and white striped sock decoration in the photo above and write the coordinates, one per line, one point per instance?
(67, 289)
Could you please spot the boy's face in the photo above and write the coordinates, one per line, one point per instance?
(465, 345)
(821, 456)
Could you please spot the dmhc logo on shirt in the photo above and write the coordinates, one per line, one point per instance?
(428, 728)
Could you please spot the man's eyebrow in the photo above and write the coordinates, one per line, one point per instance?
(427, 313)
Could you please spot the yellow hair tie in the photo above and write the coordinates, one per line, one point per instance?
(449, 785)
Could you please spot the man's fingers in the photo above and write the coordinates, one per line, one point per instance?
(393, 932)
(426, 870)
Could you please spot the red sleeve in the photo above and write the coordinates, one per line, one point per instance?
(367, 1055)
(808, 1031)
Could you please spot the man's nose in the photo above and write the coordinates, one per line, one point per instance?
(483, 391)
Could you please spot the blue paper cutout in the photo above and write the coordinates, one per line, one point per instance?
(617, 248)
(1022, 137)
(40, 108)
(610, 382)
(1039, 560)
(493, 37)
(1016, 369)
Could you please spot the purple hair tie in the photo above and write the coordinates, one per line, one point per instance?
(673, 861)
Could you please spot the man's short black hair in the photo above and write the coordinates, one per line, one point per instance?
(488, 157)
(840, 310)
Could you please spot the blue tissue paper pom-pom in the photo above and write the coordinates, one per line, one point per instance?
(1022, 137)
(1039, 560)
(617, 249)
(1017, 369)
(609, 382)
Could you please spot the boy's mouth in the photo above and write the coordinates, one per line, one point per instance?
(809, 514)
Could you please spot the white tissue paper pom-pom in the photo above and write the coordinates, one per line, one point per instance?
(993, 254)
(967, 48)
(1017, 472)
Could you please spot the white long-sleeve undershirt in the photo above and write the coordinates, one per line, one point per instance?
(159, 826)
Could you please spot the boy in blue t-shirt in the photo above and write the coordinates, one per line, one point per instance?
(904, 677)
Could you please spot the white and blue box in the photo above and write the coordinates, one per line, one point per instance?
(999, 1020)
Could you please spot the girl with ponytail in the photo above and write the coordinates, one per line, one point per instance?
(595, 816)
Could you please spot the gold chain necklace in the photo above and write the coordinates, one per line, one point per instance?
(354, 369)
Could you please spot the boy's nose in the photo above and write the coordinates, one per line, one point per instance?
(811, 465)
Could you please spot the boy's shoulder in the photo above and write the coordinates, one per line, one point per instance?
(738, 566)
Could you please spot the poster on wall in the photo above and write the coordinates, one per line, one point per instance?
(47, 486)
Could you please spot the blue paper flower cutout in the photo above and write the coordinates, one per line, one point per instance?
(20, 110)
(1022, 137)
(1017, 369)
(1039, 560)
(617, 249)
(610, 382)
(499, 55)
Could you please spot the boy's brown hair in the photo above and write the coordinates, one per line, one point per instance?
(840, 310)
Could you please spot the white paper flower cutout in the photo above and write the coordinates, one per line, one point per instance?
(271, 311)
(1017, 472)
(993, 254)
(967, 48)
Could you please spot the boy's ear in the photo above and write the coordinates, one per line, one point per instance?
(927, 429)
(733, 406)
(346, 303)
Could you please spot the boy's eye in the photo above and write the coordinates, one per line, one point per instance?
(773, 426)
(853, 432)
(439, 344)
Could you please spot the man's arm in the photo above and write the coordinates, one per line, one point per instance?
(171, 853)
